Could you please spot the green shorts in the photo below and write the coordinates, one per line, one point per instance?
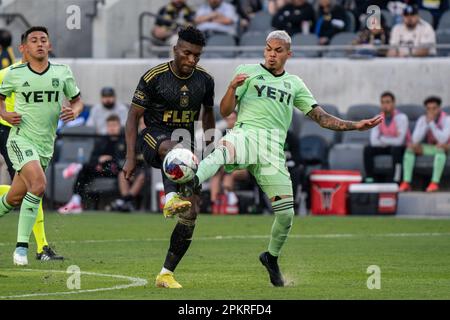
(261, 152)
(21, 151)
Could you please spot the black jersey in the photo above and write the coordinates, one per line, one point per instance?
(172, 102)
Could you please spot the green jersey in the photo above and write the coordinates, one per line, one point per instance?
(39, 98)
(267, 101)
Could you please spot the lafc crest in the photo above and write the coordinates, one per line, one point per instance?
(184, 97)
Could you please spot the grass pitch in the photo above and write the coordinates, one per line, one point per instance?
(325, 258)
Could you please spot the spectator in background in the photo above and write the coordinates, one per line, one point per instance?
(6, 52)
(390, 137)
(108, 106)
(170, 17)
(108, 154)
(297, 16)
(217, 16)
(431, 137)
(223, 198)
(413, 32)
(246, 10)
(274, 5)
(374, 33)
(331, 20)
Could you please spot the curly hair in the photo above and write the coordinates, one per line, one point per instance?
(192, 35)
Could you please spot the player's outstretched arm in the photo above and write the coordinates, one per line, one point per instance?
(134, 114)
(328, 121)
(228, 103)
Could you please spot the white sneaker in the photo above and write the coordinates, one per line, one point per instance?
(71, 207)
(20, 257)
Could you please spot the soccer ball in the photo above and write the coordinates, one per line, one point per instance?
(180, 165)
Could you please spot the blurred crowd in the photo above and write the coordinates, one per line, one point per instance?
(396, 23)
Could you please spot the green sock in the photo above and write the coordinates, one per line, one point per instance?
(284, 215)
(27, 218)
(438, 166)
(5, 207)
(211, 164)
(408, 165)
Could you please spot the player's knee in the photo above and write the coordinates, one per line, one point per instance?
(38, 187)
(14, 200)
(188, 218)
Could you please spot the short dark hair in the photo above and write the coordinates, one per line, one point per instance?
(388, 94)
(433, 99)
(113, 117)
(33, 29)
(192, 35)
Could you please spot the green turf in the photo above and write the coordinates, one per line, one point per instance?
(327, 258)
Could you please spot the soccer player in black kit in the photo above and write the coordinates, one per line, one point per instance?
(170, 97)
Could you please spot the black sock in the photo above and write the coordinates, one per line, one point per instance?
(21, 245)
(271, 258)
(127, 198)
(179, 243)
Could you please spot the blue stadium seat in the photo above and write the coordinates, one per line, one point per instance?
(362, 111)
(426, 15)
(443, 37)
(252, 39)
(342, 38)
(444, 21)
(305, 40)
(261, 22)
(220, 40)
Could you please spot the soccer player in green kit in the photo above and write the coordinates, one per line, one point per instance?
(265, 95)
(39, 87)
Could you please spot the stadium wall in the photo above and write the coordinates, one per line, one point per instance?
(53, 14)
(341, 82)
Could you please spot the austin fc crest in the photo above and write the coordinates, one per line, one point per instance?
(184, 97)
(55, 83)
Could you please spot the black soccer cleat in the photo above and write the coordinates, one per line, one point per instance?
(271, 264)
(48, 254)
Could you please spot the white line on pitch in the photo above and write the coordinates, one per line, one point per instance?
(135, 282)
(232, 237)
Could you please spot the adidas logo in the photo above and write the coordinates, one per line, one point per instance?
(26, 84)
(260, 78)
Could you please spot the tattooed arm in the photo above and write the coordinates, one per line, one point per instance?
(328, 121)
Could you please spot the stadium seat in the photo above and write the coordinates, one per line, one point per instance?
(444, 21)
(362, 111)
(305, 40)
(342, 38)
(426, 15)
(68, 151)
(313, 150)
(446, 109)
(252, 39)
(331, 109)
(347, 156)
(222, 40)
(350, 24)
(310, 128)
(63, 187)
(388, 18)
(443, 37)
(413, 112)
(261, 22)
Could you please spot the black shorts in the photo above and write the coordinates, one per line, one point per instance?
(4, 134)
(149, 141)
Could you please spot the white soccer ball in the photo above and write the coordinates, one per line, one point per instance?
(180, 165)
